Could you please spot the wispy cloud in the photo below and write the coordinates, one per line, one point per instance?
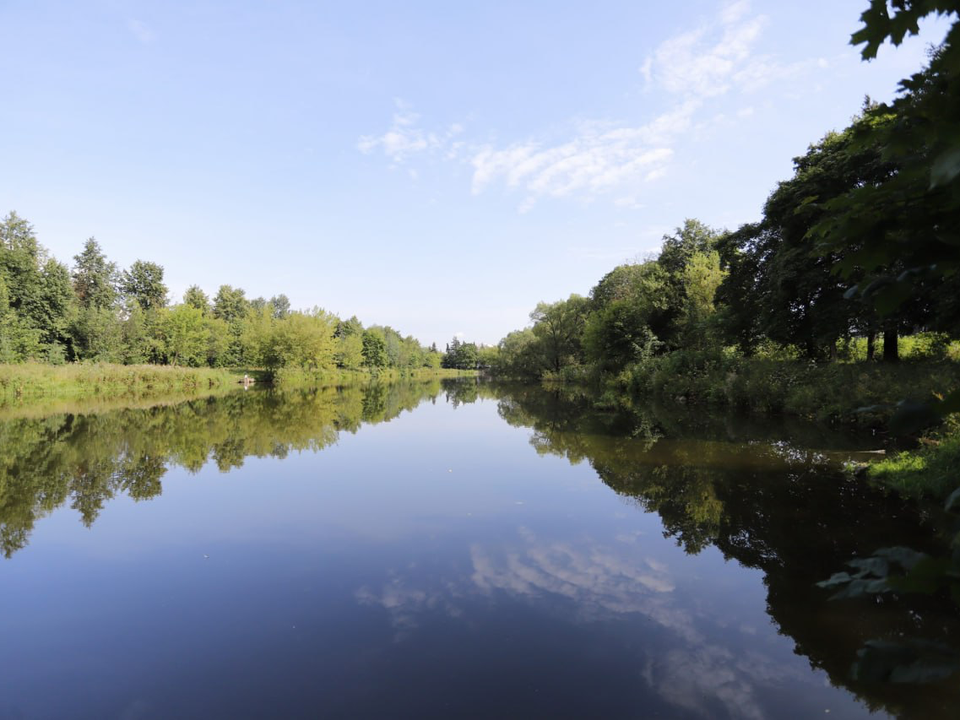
(406, 138)
(596, 157)
(718, 57)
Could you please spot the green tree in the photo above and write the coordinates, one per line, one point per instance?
(519, 355)
(94, 277)
(143, 284)
(302, 340)
(20, 260)
(374, 349)
(701, 278)
(349, 335)
(185, 336)
(230, 304)
(559, 329)
(280, 306)
(195, 297)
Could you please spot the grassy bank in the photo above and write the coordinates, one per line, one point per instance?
(930, 472)
(31, 382)
(291, 378)
(831, 392)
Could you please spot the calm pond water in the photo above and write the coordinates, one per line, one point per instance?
(440, 550)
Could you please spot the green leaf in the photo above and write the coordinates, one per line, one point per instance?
(905, 557)
(871, 566)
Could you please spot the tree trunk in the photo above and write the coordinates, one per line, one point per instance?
(871, 346)
(891, 352)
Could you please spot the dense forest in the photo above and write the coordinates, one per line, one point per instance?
(857, 249)
(95, 312)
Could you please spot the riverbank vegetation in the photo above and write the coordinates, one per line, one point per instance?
(28, 382)
(840, 303)
(94, 313)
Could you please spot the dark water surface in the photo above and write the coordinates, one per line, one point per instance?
(439, 551)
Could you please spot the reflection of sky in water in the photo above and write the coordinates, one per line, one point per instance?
(433, 565)
(715, 661)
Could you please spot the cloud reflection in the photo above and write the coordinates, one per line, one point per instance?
(589, 581)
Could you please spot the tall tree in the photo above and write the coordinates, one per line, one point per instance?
(280, 306)
(94, 277)
(559, 328)
(230, 303)
(143, 284)
(195, 297)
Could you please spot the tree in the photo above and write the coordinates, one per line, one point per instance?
(54, 309)
(632, 308)
(777, 285)
(701, 278)
(559, 328)
(143, 283)
(195, 297)
(899, 240)
(374, 349)
(185, 336)
(691, 239)
(349, 353)
(460, 355)
(519, 355)
(739, 296)
(230, 304)
(94, 277)
(280, 306)
(20, 260)
(302, 340)
(17, 341)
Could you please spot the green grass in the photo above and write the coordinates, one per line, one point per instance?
(931, 472)
(33, 381)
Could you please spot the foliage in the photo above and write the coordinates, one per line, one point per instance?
(143, 284)
(460, 355)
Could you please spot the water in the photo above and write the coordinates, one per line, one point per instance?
(440, 551)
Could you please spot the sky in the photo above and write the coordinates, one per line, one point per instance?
(438, 167)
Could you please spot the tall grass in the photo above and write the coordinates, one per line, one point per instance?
(31, 381)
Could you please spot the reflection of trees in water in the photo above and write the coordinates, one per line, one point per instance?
(770, 503)
(88, 459)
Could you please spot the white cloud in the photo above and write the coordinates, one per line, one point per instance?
(405, 138)
(597, 158)
(706, 62)
(719, 57)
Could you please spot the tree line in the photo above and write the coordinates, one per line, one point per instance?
(96, 312)
(859, 247)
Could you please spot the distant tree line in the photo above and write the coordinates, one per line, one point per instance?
(860, 245)
(95, 312)
(461, 355)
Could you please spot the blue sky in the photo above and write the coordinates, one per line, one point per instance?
(439, 167)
